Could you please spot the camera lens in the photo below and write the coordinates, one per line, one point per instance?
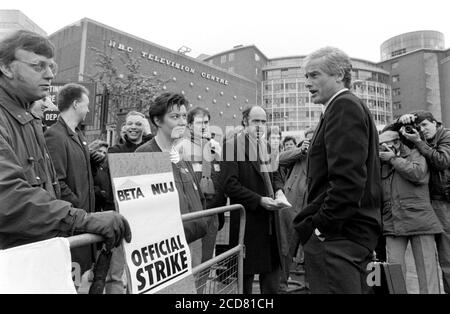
(409, 129)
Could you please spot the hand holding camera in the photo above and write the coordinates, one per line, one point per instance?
(411, 133)
(410, 129)
(386, 153)
(305, 146)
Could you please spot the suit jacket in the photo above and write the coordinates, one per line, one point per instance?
(242, 181)
(343, 173)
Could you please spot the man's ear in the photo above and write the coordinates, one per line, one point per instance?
(340, 76)
(6, 70)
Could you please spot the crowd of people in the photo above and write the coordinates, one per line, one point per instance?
(328, 202)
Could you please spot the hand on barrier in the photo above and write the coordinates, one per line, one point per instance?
(109, 224)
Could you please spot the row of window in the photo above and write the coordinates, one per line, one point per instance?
(293, 115)
(230, 57)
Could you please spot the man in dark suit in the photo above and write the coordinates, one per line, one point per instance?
(340, 224)
(70, 154)
(248, 179)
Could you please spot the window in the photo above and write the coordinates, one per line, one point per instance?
(395, 92)
(397, 105)
(394, 65)
(231, 57)
(223, 59)
(398, 52)
(257, 58)
(231, 69)
(256, 72)
(395, 78)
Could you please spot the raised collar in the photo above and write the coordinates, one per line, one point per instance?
(14, 104)
(335, 95)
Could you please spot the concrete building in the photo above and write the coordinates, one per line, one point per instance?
(222, 92)
(12, 20)
(420, 76)
(407, 42)
(282, 87)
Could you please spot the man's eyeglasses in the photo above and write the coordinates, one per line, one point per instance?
(42, 66)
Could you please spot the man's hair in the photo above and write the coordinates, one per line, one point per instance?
(163, 104)
(424, 115)
(97, 144)
(195, 112)
(69, 93)
(135, 113)
(26, 40)
(246, 113)
(289, 138)
(335, 62)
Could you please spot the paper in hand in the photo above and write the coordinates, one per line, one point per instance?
(282, 201)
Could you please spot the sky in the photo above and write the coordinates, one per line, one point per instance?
(277, 27)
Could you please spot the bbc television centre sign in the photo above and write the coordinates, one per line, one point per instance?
(167, 62)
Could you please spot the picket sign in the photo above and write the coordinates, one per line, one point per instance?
(158, 257)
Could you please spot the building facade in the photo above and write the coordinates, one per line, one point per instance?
(283, 92)
(224, 93)
(13, 20)
(420, 77)
(407, 42)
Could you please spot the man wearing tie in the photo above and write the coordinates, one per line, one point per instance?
(340, 224)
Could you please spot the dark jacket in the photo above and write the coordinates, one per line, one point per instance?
(29, 209)
(407, 207)
(190, 197)
(295, 190)
(243, 184)
(125, 147)
(343, 170)
(70, 155)
(104, 198)
(437, 153)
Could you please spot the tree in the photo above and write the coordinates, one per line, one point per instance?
(132, 90)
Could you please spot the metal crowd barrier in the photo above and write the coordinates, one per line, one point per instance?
(223, 274)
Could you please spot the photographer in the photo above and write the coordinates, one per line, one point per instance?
(407, 212)
(293, 162)
(436, 149)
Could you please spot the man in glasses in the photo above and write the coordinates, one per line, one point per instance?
(30, 209)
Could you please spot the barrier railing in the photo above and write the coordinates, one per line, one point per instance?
(221, 274)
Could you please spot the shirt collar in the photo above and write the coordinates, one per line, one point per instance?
(335, 95)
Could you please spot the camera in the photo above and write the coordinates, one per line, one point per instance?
(409, 128)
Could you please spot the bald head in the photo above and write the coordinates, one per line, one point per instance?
(254, 120)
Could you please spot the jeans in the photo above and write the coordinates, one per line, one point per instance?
(424, 250)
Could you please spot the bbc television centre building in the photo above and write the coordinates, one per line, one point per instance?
(224, 83)
(223, 93)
